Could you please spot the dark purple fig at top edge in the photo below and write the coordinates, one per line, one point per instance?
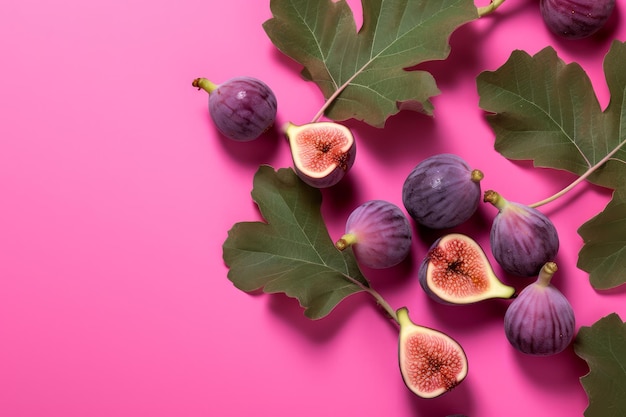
(522, 238)
(442, 191)
(576, 19)
(540, 321)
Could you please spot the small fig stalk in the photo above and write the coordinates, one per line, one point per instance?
(431, 362)
(540, 321)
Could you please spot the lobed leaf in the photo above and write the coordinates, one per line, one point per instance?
(603, 347)
(368, 66)
(544, 110)
(604, 252)
(292, 253)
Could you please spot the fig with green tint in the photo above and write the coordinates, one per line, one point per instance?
(379, 234)
(522, 238)
(540, 321)
(431, 362)
(322, 152)
(442, 191)
(457, 271)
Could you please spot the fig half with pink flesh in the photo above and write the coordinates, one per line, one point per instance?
(431, 362)
(322, 152)
(457, 271)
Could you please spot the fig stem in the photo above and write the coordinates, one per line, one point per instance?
(384, 304)
(204, 84)
(546, 273)
(493, 197)
(580, 179)
(485, 10)
(345, 241)
(379, 298)
(477, 175)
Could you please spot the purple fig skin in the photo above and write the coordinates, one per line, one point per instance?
(540, 321)
(522, 238)
(576, 19)
(242, 108)
(442, 191)
(379, 233)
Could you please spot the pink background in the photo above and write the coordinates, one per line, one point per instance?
(118, 192)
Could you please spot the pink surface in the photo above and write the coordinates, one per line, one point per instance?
(118, 193)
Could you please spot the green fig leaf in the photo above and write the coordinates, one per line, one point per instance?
(604, 252)
(368, 68)
(544, 110)
(292, 253)
(603, 347)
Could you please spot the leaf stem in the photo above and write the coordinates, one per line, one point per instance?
(485, 10)
(580, 179)
(384, 304)
(332, 98)
(379, 298)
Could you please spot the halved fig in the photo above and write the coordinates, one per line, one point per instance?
(456, 271)
(431, 362)
(322, 152)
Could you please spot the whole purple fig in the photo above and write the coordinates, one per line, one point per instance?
(576, 19)
(379, 234)
(442, 191)
(242, 108)
(522, 238)
(540, 321)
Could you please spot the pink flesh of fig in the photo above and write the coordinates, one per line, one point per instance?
(431, 362)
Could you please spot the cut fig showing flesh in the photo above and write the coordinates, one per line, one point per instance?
(322, 152)
(456, 271)
(431, 362)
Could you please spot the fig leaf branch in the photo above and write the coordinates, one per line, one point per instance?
(293, 253)
(363, 73)
(545, 110)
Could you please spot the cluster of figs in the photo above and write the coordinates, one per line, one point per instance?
(441, 192)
